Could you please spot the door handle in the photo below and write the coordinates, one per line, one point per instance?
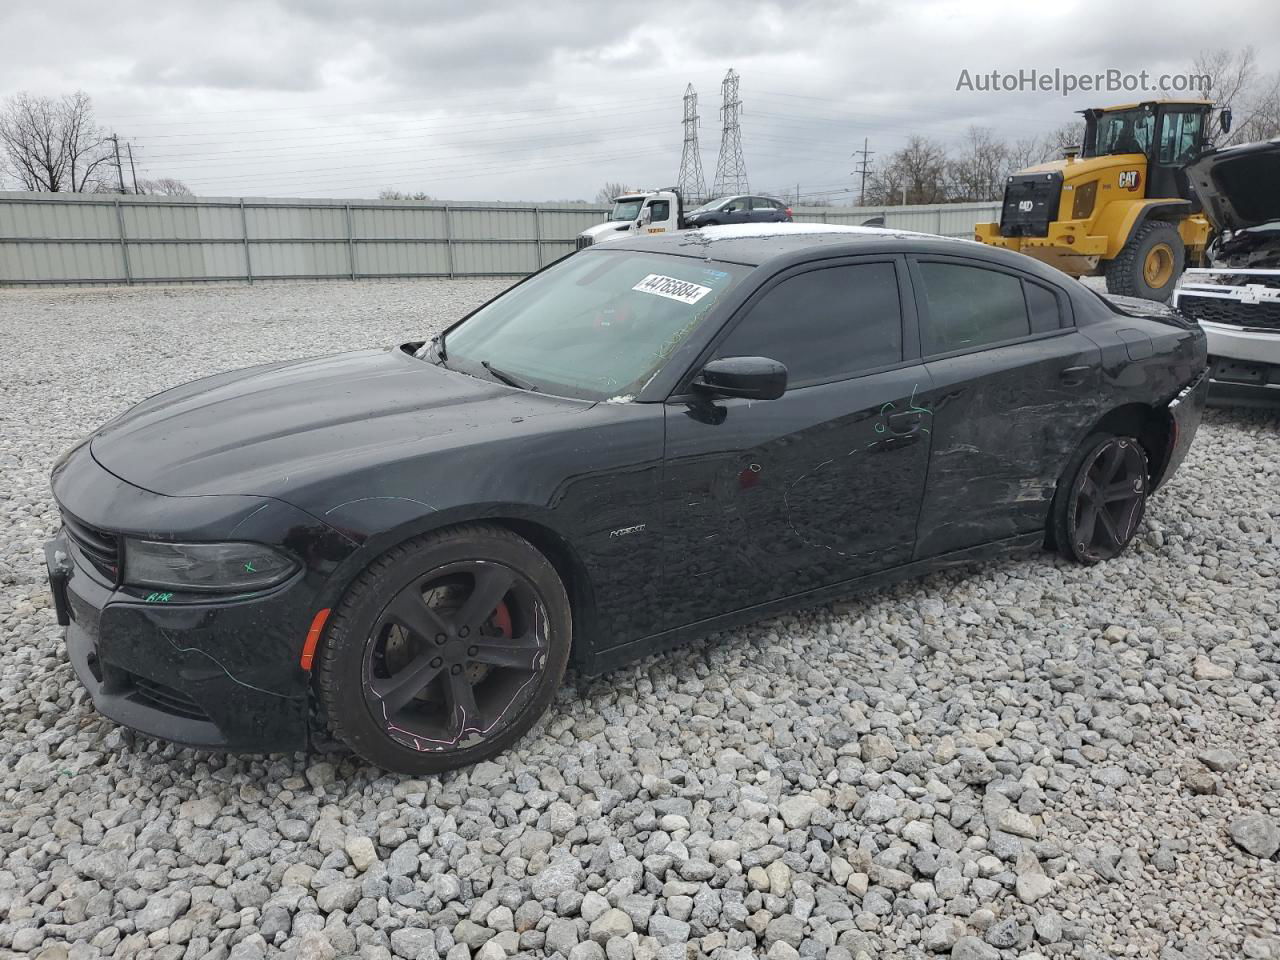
(1073, 376)
(906, 422)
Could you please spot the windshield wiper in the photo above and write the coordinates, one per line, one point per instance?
(509, 379)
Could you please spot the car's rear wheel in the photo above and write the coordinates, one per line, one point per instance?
(1101, 498)
(446, 650)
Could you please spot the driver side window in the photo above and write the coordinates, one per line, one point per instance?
(734, 206)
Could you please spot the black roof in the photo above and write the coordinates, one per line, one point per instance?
(774, 243)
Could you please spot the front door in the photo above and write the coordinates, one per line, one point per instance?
(767, 499)
(1179, 140)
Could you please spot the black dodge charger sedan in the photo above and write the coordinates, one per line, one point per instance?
(646, 441)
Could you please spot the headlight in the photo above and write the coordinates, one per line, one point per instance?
(1082, 206)
(208, 567)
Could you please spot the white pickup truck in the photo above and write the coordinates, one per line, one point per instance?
(1237, 299)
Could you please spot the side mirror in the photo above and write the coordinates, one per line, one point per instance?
(753, 378)
(1224, 119)
(646, 216)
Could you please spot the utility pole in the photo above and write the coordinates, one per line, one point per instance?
(119, 169)
(132, 169)
(864, 153)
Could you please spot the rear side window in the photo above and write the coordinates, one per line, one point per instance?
(970, 307)
(825, 324)
(1042, 304)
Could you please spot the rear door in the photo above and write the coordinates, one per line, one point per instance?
(764, 210)
(1013, 385)
(766, 499)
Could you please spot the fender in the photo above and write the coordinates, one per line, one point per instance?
(1120, 221)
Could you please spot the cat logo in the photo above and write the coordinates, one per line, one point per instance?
(1129, 180)
(1026, 206)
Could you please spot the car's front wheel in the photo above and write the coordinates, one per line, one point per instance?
(1100, 499)
(446, 650)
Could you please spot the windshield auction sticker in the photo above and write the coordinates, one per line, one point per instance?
(671, 288)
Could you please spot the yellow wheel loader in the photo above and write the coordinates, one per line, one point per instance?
(1122, 206)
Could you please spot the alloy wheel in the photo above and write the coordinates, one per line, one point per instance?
(454, 655)
(1108, 499)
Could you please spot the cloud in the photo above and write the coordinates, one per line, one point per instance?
(488, 99)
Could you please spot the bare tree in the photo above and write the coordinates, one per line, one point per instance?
(1263, 121)
(1068, 136)
(401, 195)
(1231, 76)
(605, 195)
(977, 173)
(915, 174)
(53, 144)
(165, 187)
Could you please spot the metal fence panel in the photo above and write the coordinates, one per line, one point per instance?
(95, 238)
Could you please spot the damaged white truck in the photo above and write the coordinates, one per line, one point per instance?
(1237, 298)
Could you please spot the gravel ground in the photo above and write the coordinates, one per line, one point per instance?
(1026, 759)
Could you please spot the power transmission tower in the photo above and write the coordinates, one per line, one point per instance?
(692, 183)
(731, 168)
(862, 169)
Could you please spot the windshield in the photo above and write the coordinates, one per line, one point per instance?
(1125, 131)
(598, 325)
(711, 205)
(626, 209)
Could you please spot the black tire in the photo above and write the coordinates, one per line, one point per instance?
(1091, 523)
(362, 689)
(1125, 274)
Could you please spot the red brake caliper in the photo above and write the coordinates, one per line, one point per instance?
(502, 619)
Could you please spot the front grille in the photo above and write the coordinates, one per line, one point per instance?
(100, 548)
(582, 243)
(166, 698)
(1250, 316)
(1030, 204)
(1225, 278)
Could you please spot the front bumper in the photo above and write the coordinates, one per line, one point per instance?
(216, 671)
(1244, 353)
(177, 671)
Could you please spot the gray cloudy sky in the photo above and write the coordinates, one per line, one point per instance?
(547, 100)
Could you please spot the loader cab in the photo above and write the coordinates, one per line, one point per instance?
(1168, 133)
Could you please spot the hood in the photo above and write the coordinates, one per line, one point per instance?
(1239, 186)
(1083, 168)
(608, 230)
(268, 430)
